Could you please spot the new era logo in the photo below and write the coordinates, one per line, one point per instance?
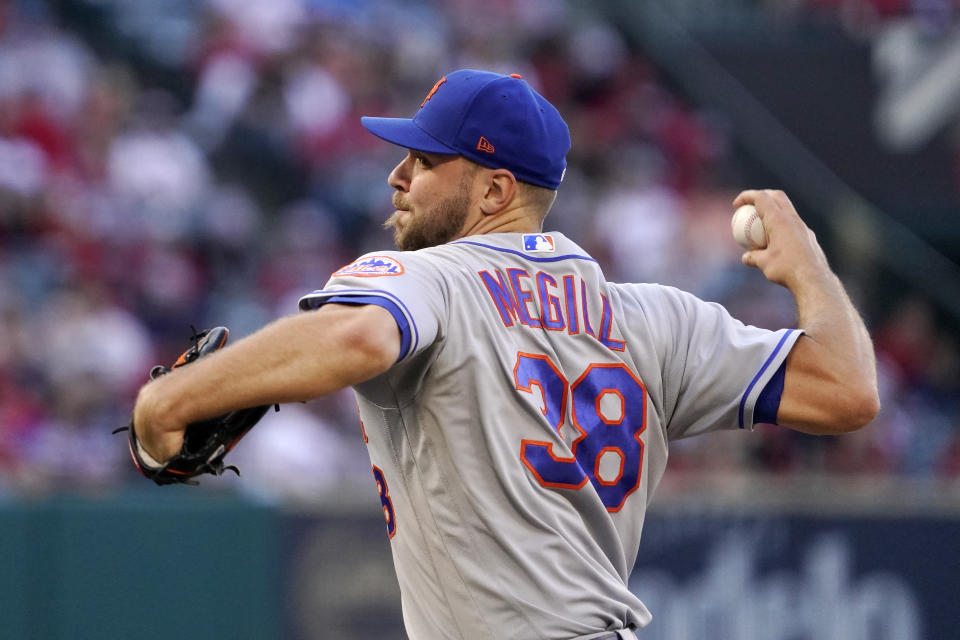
(484, 145)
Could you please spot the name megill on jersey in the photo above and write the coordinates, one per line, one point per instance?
(539, 301)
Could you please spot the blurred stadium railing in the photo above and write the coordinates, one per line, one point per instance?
(739, 39)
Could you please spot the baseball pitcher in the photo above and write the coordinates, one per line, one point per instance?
(517, 407)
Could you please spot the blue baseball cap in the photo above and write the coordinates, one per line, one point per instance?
(496, 120)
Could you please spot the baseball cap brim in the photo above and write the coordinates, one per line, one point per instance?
(405, 133)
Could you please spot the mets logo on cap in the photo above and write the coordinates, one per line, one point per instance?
(370, 266)
(538, 243)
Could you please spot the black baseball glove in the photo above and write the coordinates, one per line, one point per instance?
(205, 443)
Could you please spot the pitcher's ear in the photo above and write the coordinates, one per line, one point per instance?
(499, 190)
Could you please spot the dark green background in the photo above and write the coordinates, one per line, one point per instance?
(149, 564)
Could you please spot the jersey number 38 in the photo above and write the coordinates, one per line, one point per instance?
(609, 414)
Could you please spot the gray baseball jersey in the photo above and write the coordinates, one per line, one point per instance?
(517, 441)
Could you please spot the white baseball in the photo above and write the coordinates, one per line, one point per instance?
(748, 228)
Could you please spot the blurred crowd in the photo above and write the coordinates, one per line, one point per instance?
(203, 164)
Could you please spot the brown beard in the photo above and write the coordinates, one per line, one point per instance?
(439, 225)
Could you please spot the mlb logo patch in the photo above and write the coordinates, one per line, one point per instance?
(371, 266)
(538, 243)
